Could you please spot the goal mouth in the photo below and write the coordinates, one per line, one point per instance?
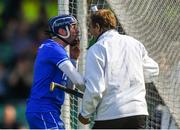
(156, 25)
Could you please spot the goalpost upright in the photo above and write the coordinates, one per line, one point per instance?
(63, 8)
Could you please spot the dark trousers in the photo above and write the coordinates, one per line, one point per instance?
(133, 122)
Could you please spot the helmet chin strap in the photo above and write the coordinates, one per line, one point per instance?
(59, 36)
(62, 37)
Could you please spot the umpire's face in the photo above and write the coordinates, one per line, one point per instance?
(94, 29)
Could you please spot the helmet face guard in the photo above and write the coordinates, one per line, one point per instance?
(62, 21)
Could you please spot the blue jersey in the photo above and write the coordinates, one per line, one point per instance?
(50, 55)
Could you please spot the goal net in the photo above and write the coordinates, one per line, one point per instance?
(156, 23)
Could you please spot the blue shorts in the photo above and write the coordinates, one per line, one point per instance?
(44, 120)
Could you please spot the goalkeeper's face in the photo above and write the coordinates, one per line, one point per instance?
(74, 34)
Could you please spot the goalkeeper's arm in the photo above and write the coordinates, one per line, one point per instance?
(68, 68)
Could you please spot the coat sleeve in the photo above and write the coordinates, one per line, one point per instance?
(150, 67)
(94, 80)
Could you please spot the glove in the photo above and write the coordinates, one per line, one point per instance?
(83, 120)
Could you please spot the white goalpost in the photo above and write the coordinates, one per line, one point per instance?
(156, 23)
(63, 8)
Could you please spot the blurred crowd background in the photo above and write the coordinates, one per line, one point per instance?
(22, 28)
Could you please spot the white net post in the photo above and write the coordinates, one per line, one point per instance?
(63, 8)
(82, 20)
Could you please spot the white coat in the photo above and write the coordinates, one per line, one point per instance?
(116, 66)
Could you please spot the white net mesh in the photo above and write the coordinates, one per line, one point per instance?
(156, 23)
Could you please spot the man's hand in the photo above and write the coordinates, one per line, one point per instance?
(75, 51)
(83, 120)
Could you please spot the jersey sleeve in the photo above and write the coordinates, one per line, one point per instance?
(56, 55)
(68, 68)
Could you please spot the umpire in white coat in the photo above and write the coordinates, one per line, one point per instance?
(115, 73)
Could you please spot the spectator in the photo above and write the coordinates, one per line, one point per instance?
(9, 118)
(20, 78)
(3, 85)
